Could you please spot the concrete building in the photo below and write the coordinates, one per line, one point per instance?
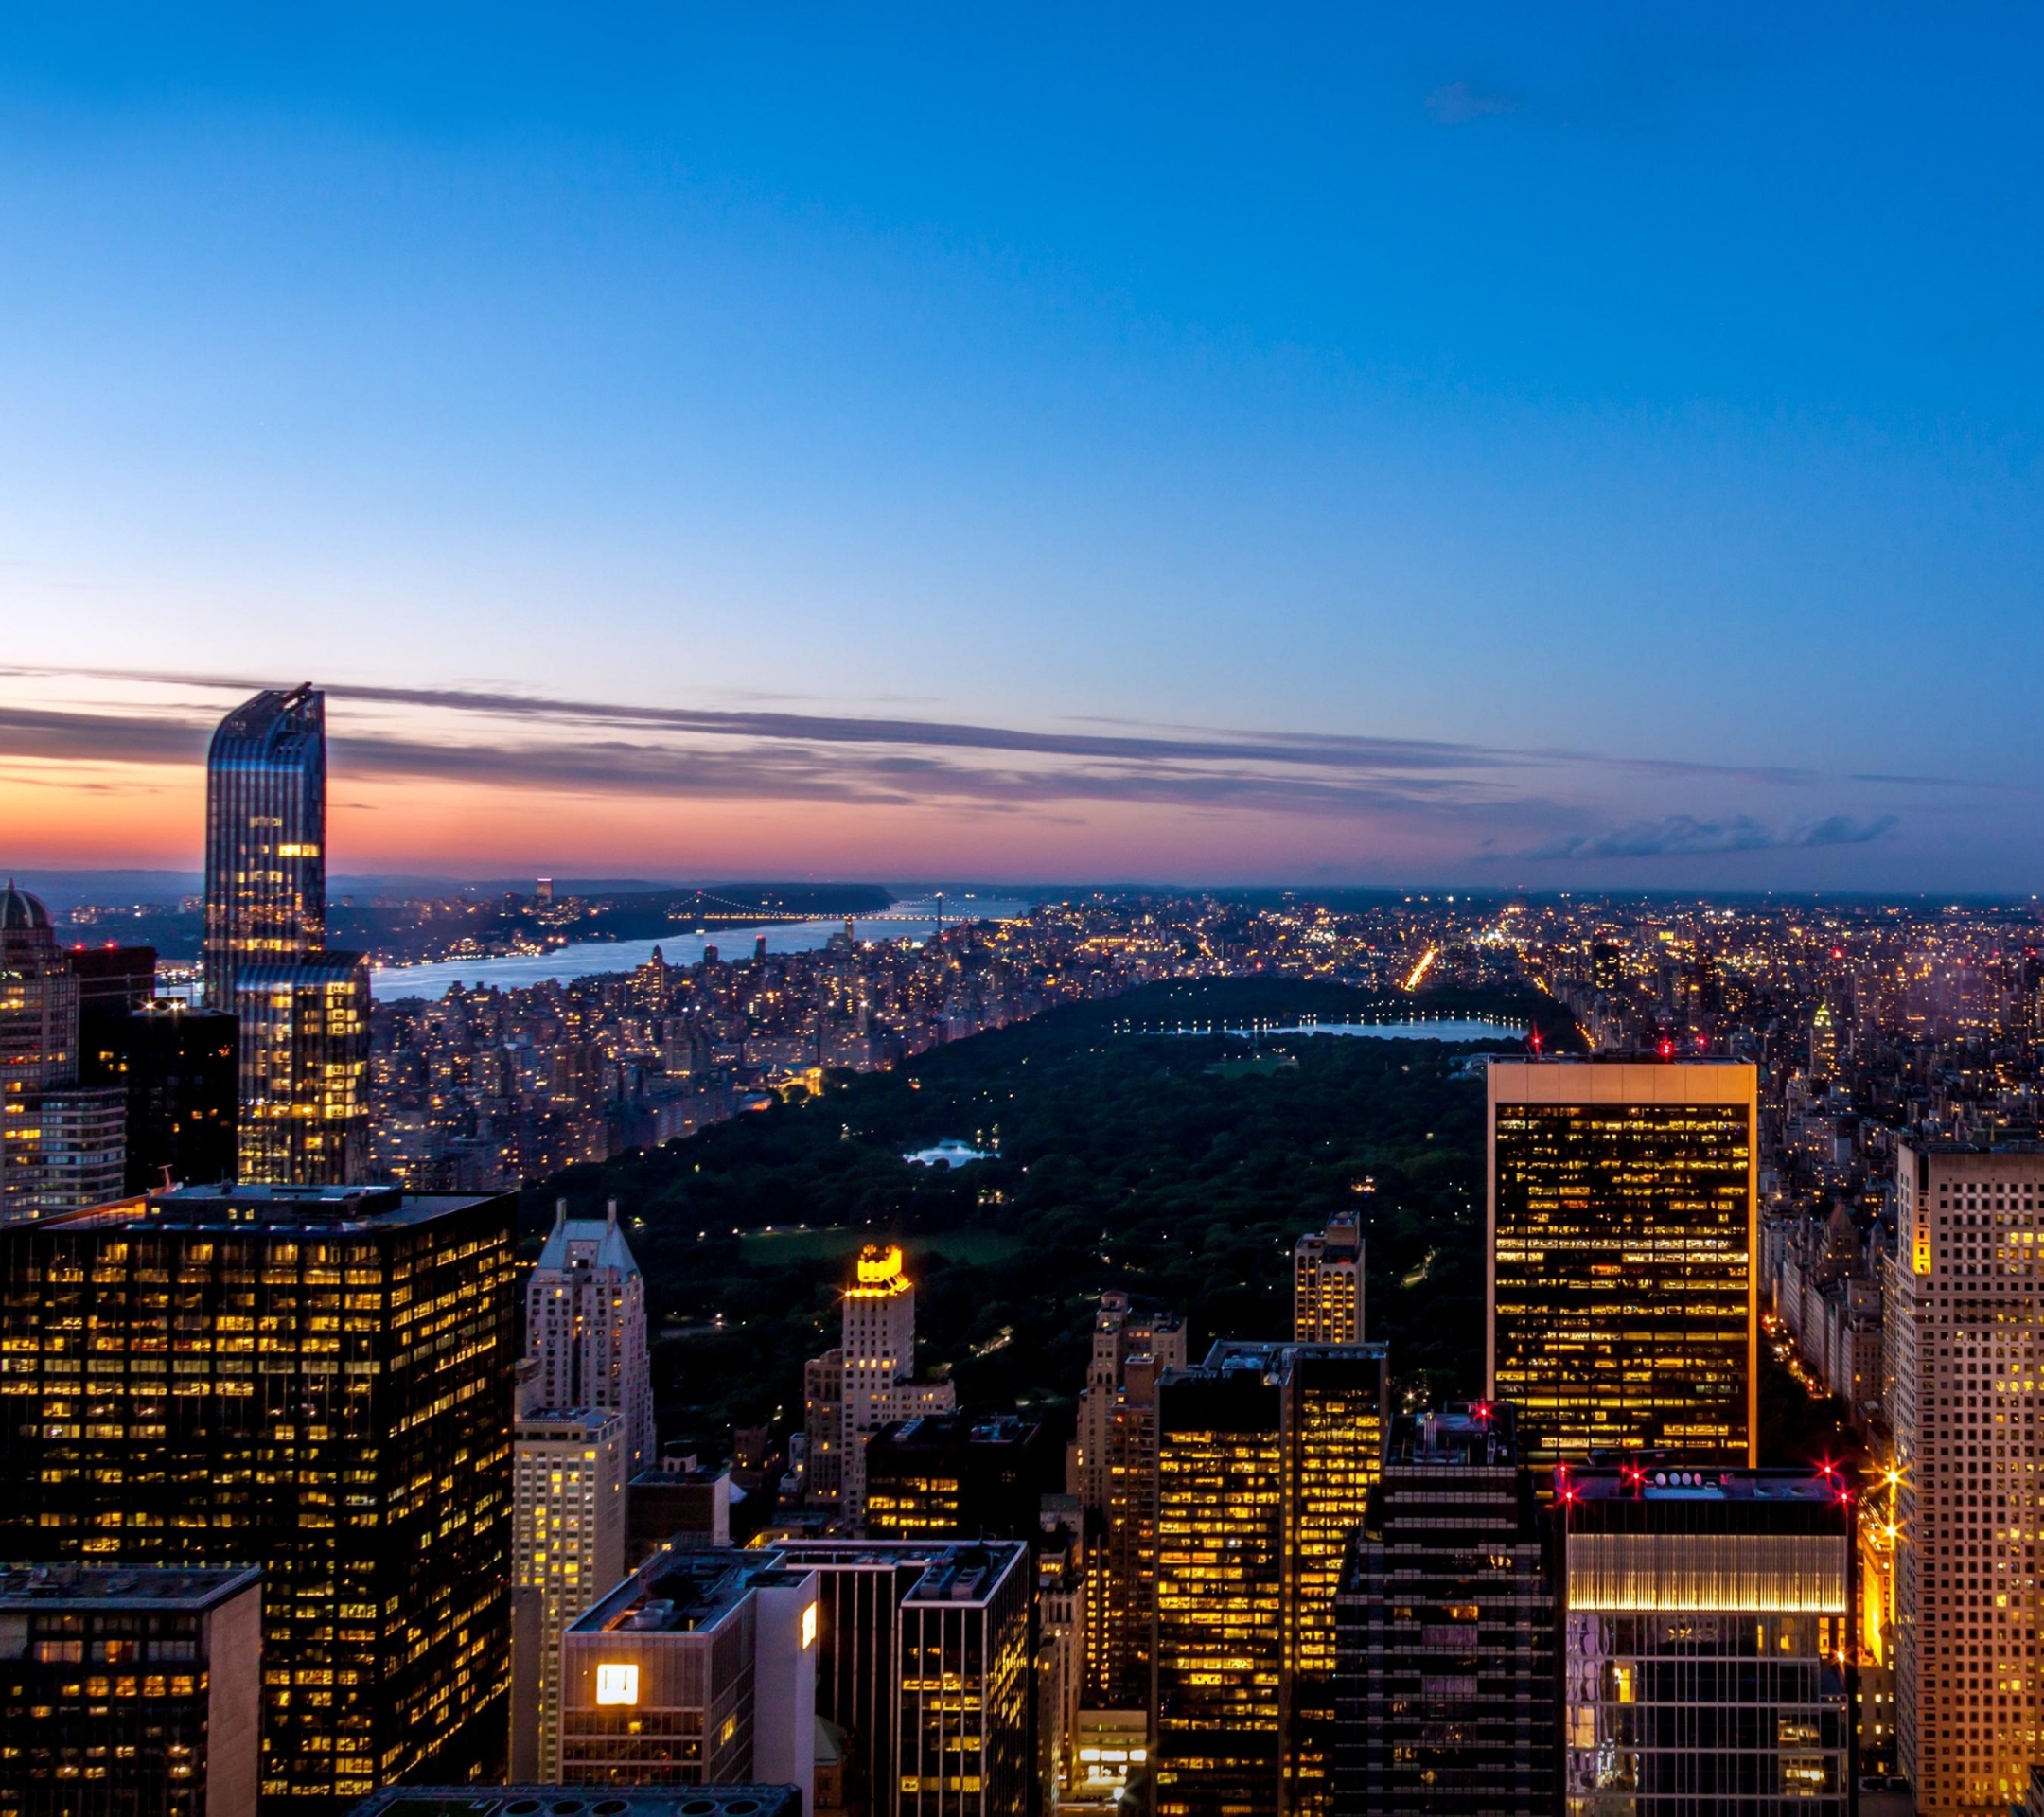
(1326, 1284)
(698, 1670)
(1966, 1313)
(586, 1327)
(567, 1550)
(129, 1691)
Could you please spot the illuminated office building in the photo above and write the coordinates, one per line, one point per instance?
(130, 1691)
(950, 1476)
(1114, 1475)
(1266, 1456)
(700, 1669)
(1446, 1630)
(1622, 1273)
(1705, 1620)
(1326, 1284)
(881, 1645)
(567, 1549)
(1965, 1313)
(315, 1380)
(266, 837)
(62, 1144)
(1061, 1570)
(304, 1033)
(876, 1380)
(586, 1327)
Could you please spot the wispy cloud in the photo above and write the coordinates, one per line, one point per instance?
(1679, 835)
(1457, 103)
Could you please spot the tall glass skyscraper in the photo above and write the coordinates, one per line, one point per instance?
(1622, 1295)
(304, 1040)
(265, 837)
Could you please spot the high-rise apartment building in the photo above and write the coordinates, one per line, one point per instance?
(303, 1011)
(1266, 1456)
(586, 1328)
(317, 1380)
(1326, 1284)
(62, 1145)
(130, 1691)
(876, 1378)
(266, 837)
(1622, 1256)
(700, 1667)
(1061, 1607)
(1445, 1690)
(304, 1070)
(1965, 1319)
(1114, 1475)
(567, 1550)
(1705, 1628)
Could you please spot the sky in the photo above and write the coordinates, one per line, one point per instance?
(1591, 448)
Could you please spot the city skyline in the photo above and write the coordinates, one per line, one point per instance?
(1378, 451)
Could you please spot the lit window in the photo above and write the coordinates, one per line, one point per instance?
(617, 1684)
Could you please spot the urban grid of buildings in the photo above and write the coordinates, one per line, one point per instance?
(317, 1501)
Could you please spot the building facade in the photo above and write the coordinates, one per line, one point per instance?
(266, 837)
(586, 1328)
(698, 1670)
(180, 1072)
(130, 1691)
(1445, 1622)
(567, 1550)
(1622, 1269)
(1704, 1624)
(1967, 1315)
(303, 1032)
(1326, 1284)
(317, 1380)
(950, 1476)
(1266, 1456)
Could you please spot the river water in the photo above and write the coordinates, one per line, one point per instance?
(906, 920)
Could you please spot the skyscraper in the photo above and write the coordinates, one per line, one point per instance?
(1114, 1475)
(1966, 1317)
(304, 1011)
(266, 837)
(567, 1550)
(1266, 1456)
(1327, 1284)
(180, 1071)
(876, 1375)
(62, 1144)
(317, 1380)
(586, 1328)
(1622, 1256)
(1704, 1625)
(1446, 1624)
(304, 1070)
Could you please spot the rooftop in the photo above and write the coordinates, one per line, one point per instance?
(581, 1801)
(1651, 1480)
(686, 1592)
(267, 1208)
(47, 1586)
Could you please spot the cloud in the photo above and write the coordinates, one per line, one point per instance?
(1679, 835)
(1458, 103)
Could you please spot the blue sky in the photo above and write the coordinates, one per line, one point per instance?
(1658, 391)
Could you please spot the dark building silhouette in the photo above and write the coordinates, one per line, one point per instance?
(317, 1380)
(950, 1476)
(113, 980)
(178, 1068)
(1445, 1687)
